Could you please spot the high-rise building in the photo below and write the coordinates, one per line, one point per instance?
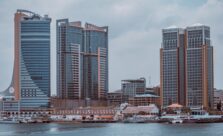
(82, 60)
(95, 62)
(200, 77)
(173, 66)
(69, 43)
(31, 74)
(186, 60)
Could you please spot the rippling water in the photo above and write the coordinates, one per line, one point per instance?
(116, 129)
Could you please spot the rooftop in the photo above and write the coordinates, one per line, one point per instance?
(146, 95)
(136, 109)
(171, 27)
(134, 80)
(116, 91)
(197, 24)
(29, 15)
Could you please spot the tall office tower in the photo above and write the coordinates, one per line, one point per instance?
(31, 74)
(82, 60)
(172, 66)
(186, 60)
(200, 81)
(95, 62)
(69, 43)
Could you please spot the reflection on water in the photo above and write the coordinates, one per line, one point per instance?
(43, 129)
(53, 129)
(117, 129)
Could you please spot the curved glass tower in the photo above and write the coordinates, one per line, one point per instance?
(31, 74)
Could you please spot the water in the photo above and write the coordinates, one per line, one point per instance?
(116, 129)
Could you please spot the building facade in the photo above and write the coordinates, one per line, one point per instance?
(200, 81)
(218, 98)
(116, 98)
(172, 66)
(144, 100)
(82, 61)
(134, 92)
(186, 60)
(95, 62)
(31, 74)
(69, 41)
(133, 87)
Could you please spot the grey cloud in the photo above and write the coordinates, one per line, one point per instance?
(134, 31)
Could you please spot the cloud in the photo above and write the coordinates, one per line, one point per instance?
(134, 31)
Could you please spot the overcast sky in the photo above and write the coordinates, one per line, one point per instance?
(134, 32)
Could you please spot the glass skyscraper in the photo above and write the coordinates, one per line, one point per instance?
(69, 41)
(172, 66)
(200, 77)
(31, 75)
(87, 76)
(186, 60)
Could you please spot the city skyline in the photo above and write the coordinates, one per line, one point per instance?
(138, 40)
(111, 67)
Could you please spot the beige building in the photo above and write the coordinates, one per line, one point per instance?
(218, 97)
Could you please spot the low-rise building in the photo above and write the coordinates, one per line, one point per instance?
(115, 98)
(144, 100)
(218, 98)
(153, 90)
(85, 111)
(134, 92)
(9, 104)
(151, 109)
(11, 107)
(131, 87)
(58, 103)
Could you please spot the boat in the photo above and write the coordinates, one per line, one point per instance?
(134, 119)
(98, 121)
(176, 121)
(28, 120)
(9, 121)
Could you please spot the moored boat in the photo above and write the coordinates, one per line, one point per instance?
(9, 121)
(176, 121)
